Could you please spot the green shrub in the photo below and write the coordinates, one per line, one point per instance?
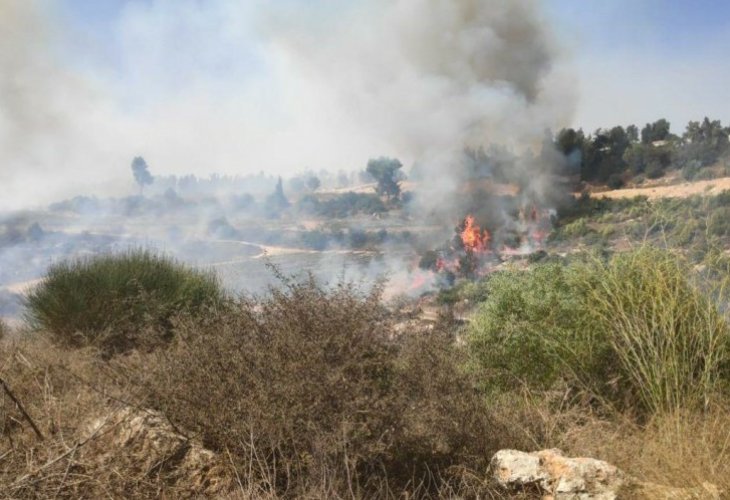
(111, 299)
(640, 331)
(615, 181)
(510, 337)
(655, 170)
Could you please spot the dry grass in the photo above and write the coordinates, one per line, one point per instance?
(63, 392)
(683, 449)
(311, 395)
(308, 394)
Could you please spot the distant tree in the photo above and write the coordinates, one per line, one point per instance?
(632, 132)
(635, 157)
(657, 131)
(296, 184)
(386, 172)
(343, 180)
(704, 142)
(141, 173)
(604, 154)
(313, 183)
(277, 201)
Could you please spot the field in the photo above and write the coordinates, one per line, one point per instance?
(610, 339)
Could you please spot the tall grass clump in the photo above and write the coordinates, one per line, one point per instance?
(643, 331)
(113, 298)
(663, 322)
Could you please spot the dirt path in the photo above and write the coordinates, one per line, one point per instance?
(683, 190)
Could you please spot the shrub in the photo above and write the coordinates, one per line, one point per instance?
(4, 329)
(615, 181)
(719, 223)
(666, 331)
(509, 337)
(655, 170)
(112, 298)
(576, 229)
(342, 205)
(638, 331)
(310, 389)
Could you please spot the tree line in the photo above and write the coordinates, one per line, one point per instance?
(616, 154)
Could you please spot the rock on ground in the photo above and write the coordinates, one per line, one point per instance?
(149, 446)
(553, 476)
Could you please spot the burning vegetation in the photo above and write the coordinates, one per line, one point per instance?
(475, 251)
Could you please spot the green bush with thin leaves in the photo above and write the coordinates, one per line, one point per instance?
(643, 330)
(113, 298)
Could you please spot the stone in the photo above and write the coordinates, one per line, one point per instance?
(557, 477)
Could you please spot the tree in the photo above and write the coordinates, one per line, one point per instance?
(313, 183)
(385, 171)
(704, 142)
(657, 131)
(632, 132)
(277, 201)
(141, 173)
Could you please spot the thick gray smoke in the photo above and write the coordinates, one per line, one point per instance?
(428, 77)
(278, 87)
(240, 87)
(424, 79)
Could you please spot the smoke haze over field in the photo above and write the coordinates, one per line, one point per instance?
(226, 86)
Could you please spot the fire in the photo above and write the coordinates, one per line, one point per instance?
(472, 237)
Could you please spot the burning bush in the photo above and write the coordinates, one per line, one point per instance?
(312, 395)
(110, 299)
(638, 331)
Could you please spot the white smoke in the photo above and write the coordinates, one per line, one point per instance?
(241, 87)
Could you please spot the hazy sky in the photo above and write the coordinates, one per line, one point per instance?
(636, 60)
(199, 86)
(642, 59)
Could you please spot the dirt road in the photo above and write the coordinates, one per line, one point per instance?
(711, 187)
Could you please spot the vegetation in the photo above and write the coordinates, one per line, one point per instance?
(277, 201)
(141, 173)
(116, 300)
(313, 392)
(612, 154)
(342, 205)
(641, 331)
(386, 172)
(620, 350)
(311, 382)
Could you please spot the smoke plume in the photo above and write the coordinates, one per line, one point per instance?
(225, 87)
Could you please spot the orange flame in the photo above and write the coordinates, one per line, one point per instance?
(472, 237)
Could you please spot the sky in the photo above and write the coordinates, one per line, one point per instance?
(244, 86)
(643, 59)
(636, 60)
